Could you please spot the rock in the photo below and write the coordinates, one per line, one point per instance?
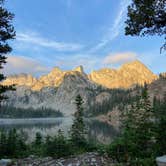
(79, 69)
(125, 77)
(161, 161)
(5, 162)
(88, 159)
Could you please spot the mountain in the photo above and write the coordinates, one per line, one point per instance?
(52, 79)
(50, 96)
(126, 76)
(58, 89)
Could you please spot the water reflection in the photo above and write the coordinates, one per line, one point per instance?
(97, 131)
(100, 131)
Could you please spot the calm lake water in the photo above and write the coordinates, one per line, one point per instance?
(97, 131)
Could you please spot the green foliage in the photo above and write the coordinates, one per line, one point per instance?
(12, 144)
(137, 140)
(117, 150)
(78, 129)
(58, 146)
(160, 116)
(38, 140)
(6, 33)
(143, 162)
(146, 17)
(12, 112)
(119, 98)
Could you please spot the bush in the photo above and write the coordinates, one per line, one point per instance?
(143, 162)
(58, 146)
(12, 144)
(116, 150)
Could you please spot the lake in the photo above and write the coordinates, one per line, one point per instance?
(97, 131)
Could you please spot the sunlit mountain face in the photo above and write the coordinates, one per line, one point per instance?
(126, 76)
(57, 89)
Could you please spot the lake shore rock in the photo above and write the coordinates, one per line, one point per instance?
(87, 159)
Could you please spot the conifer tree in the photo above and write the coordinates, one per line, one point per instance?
(137, 139)
(3, 143)
(78, 129)
(38, 139)
(160, 116)
(146, 17)
(6, 33)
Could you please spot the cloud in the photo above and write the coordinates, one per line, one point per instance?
(20, 64)
(119, 58)
(114, 30)
(37, 40)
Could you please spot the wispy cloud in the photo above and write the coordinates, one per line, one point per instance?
(37, 40)
(119, 58)
(114, 30)
(21, 64)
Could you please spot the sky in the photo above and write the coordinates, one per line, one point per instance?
(69, 33)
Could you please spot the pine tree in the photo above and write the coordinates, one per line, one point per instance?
(6, 33)
(3, 144)
(137, 139)
(38, 139)
(78, 129)
(145, 124)
(12, 142)
(160, 116)
(146, 17)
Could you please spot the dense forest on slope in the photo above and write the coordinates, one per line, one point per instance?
(119, 98)
(12, 112)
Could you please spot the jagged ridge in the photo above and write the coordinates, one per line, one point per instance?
(125, 77)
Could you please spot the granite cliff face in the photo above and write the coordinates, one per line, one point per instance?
(50, 96)
(52, 79)
(58, 89)
(126, 76)
(20, 80)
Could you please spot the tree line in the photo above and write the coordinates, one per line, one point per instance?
(14, 144)
(143, 132)
(13, 112)
(141, 140)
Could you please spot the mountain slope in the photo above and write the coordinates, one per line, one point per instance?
(61, 98)
(58, 89)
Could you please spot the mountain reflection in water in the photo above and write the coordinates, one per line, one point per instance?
(97, 131)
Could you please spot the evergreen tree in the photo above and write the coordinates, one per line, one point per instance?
(12, 142)
(3, 144)
(78, 129)
(6, 33)
(137, 139)
(38, 139)
(146, 17)
(58, 146)
(160, 116)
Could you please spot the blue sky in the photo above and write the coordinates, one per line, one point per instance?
(68, 33)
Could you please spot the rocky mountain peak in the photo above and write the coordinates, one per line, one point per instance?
(126, 76)
(79, 69)
(20, 80)
(55, 70)
(134, 65)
